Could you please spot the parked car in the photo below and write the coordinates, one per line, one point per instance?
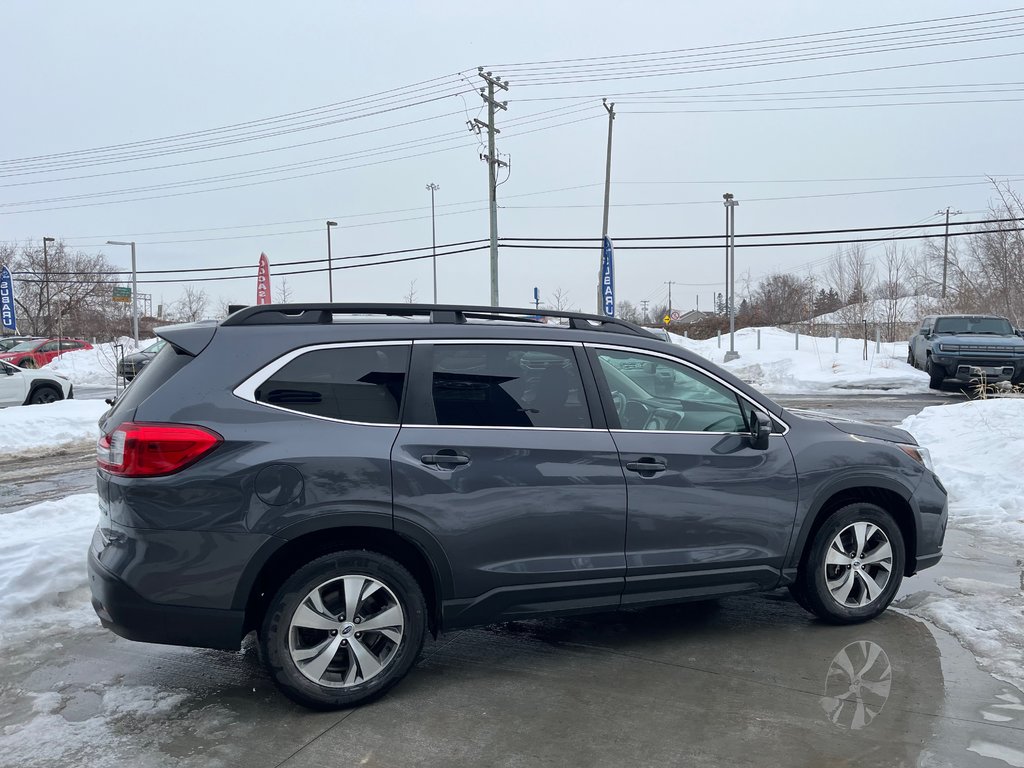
(22, 387)
(969, 349)
(130, 365)
(342, 484)
(35, 353)
(7, 342)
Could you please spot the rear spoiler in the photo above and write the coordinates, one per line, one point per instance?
(190, 338)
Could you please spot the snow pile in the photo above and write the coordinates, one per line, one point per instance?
(97, 365)
(908, 309)
(42, 428)
(43, 575)
(778, 367)
(979, 457)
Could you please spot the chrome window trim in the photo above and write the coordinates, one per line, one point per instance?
(247, 389)
(531, 429)
(709, 374)
(523, 342)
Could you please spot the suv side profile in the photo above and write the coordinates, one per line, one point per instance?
(342, 479)
(969, 349)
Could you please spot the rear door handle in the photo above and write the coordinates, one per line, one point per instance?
(444, 458)
(646, 466)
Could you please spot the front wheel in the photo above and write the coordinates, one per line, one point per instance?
(44, 395)
(343, 629)
(936, 375)
(855, 565)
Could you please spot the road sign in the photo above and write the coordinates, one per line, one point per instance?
(666, 319)
(122, 293)
(676, 314)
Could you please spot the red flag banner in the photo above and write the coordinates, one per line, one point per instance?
(263, 281)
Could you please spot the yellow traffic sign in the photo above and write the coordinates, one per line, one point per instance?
(666, 319)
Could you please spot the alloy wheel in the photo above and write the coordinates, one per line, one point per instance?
(858, 565)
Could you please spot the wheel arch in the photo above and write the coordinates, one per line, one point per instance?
(281, 556)
(38, 384)
(889, 495)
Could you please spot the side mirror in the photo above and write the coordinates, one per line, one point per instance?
(760, 430)
(926, 332)
(8, 370)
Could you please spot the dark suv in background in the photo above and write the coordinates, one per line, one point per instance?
(972, 349)
(342, 479)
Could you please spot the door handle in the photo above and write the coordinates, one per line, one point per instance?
(646, 466)
(444, 458)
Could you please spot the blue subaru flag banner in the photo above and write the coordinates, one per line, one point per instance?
(608, 278)
(10, 320)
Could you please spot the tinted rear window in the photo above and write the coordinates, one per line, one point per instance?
(167, 363)
(362, 384)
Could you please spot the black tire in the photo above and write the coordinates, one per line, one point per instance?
(935, 375)
(28, 362)
(43, 395)
(277, 631)
(910, 358)
(813, 582)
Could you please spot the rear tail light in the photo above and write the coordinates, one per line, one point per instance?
(151, 450)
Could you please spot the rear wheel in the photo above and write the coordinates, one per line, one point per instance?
(343, 629)
(44, 395)
(936, 375)
(854, 567)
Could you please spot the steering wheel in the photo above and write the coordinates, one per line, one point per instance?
(619, 400)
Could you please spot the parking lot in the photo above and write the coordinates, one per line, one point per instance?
(741, 681)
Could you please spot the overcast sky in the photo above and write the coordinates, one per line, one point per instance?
(81, 76)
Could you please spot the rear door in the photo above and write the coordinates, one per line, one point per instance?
(707, 512)
(504, 464)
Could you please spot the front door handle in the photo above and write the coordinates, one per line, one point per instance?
(444, 458)
(647, 467)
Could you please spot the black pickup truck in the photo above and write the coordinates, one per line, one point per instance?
(968, 348)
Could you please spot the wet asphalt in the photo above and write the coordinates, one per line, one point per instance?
(743, 681)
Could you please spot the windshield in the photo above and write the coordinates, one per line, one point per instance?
(155, 347)
(25, 346)
(993, 325)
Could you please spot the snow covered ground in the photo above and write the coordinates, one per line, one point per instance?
(38, 429)
(778, 367)
(979, 457)
(97, 365)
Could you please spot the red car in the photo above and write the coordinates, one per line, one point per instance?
(36, 353)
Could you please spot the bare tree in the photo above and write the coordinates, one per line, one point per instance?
(781, 298)
(628, 311)
(851, 274)
(410, 297)
(891, 288)
(283, 293)
(192, 305)
(560, 301)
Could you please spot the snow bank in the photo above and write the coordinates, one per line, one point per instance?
(97, 365)
(979, 457)
(41, 428)
(908, 309)
(815, 368)
(42, 564)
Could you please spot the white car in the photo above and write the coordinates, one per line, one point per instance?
(19, 386)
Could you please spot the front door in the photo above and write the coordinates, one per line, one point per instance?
(707, 513)
(501, 464)
(12, 386)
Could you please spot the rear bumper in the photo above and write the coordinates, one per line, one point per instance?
(125, 613)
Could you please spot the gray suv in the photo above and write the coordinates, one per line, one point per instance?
(343, 479)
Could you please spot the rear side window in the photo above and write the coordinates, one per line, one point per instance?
(167, 363)
(508, 385)
(348, 383)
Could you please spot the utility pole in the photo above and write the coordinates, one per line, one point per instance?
(730, 301)
(433, 234)
(46, 279)
(610, 108)
(670, 283)
(645, 302)
(493, 164)
(135, 290)
(945, 247)
(330, 264)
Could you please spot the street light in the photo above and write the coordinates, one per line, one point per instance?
(46, 279)
(730, 271)
(433, 234)
(135, 289)
(330, 273)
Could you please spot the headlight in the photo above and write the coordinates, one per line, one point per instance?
(949, 347)
(918, 453)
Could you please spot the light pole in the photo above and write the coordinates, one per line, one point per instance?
(730, 297)
(330, 264)
(433, 234)
(46, 279)
(135, 289)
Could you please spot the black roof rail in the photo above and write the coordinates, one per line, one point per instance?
(318, 314)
